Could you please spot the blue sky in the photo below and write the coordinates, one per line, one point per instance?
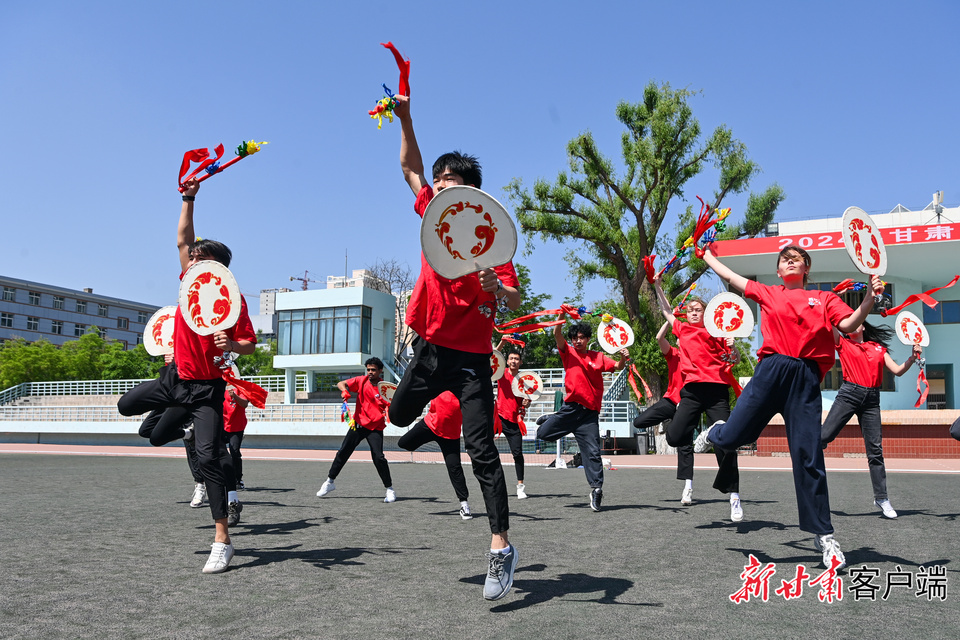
(841, 103)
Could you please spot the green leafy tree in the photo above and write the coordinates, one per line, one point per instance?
(22, 361)
(614, 216)
(81, 358)
(117, 363)
(260, 362)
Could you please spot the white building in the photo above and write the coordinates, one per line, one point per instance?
(922, 249)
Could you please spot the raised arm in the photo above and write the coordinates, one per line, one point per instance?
(725, 273)
(665, 307)
(855, 319)
(900, 369)
(185, 232)
(558, 332)
(662, 338)
(411, 162)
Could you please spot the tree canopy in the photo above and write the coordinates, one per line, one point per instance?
(613, 214)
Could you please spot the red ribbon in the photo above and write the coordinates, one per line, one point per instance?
(922, 381)
(403, 66)
(703, 224)
(519, 343)
(648, 267)
(197, 155)
(924, 297)
(633, 383)
(511, 325)
(254, 393)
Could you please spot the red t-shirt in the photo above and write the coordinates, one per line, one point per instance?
(456, 314)
(444, 417)
(701, 355)
(194, 353)
(798, 323)
(234, 416)
(368, 410)
(673, 374)
(583, 376)
(508, 405)
(862, 362)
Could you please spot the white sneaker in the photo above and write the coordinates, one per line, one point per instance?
(219, 560)
(326, 488)
(701, 444)
(887, 508)
(391, 495)
(465, 511)
(736, 511)
(829, 547)
(521, 491)
(188, 433)
(687, 497)
(199, 493)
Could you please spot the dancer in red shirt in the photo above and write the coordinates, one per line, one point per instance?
(797, 351)
(863, 356)
(705, 364)
(370, 423)
(442, 425)
(454, 324)
(508, 412)
(580, 414)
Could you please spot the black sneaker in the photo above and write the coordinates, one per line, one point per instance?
(233, 513)
(596, 497)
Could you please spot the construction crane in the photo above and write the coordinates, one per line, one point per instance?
(304, 280)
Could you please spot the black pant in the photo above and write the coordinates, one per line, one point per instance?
(436, 369)
(712, 398)
(864, 402)
(350, 441)
(234, 438)
(511, 431)
(661, 411)
(584, 424)
(420, 435)
(199, 401)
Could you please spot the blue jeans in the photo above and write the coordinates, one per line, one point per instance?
(864, 402)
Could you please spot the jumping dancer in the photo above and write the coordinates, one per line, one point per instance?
(665, 408)
(705, 364)
(863, 355)
(370, 423)
(580, 414)
(797, 351)
(453, 320)
(195, 381)
(508, 412)
(442, 425)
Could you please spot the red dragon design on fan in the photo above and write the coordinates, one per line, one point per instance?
(486, 233)
(856, 225)
(221, 307)
(718, 316)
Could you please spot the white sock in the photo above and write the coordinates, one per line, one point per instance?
(232, 496)
(463, 503)
(688, 484)
(734, 496)
(501, 551)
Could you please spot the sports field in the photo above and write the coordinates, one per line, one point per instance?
(108, 547)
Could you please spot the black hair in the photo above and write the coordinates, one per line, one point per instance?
(514, 353)
(212, 250)
(807, 260)
(465, 166)
(579, 329)
(375, 361)
(881, 334)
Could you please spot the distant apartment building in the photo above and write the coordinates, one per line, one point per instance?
(31, 310)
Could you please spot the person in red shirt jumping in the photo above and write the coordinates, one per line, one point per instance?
(454, 320)
(797, 351)
(705, 364)
(508, 412)
(195, 382)
(580, 414)
(442, 425)
(863, 355)
(665, 408)
(370, 423)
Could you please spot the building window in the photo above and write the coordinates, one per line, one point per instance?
(102, 310)
(142, 317)
(139, 338)
(947, 312)
(57, 327)
(123, 323)
(81, 306)
(102, 332)
(9, 294)
(34, 298)
(58, 302)
(33, 324)
(6, 320)
(326, 330)
(79, 329)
